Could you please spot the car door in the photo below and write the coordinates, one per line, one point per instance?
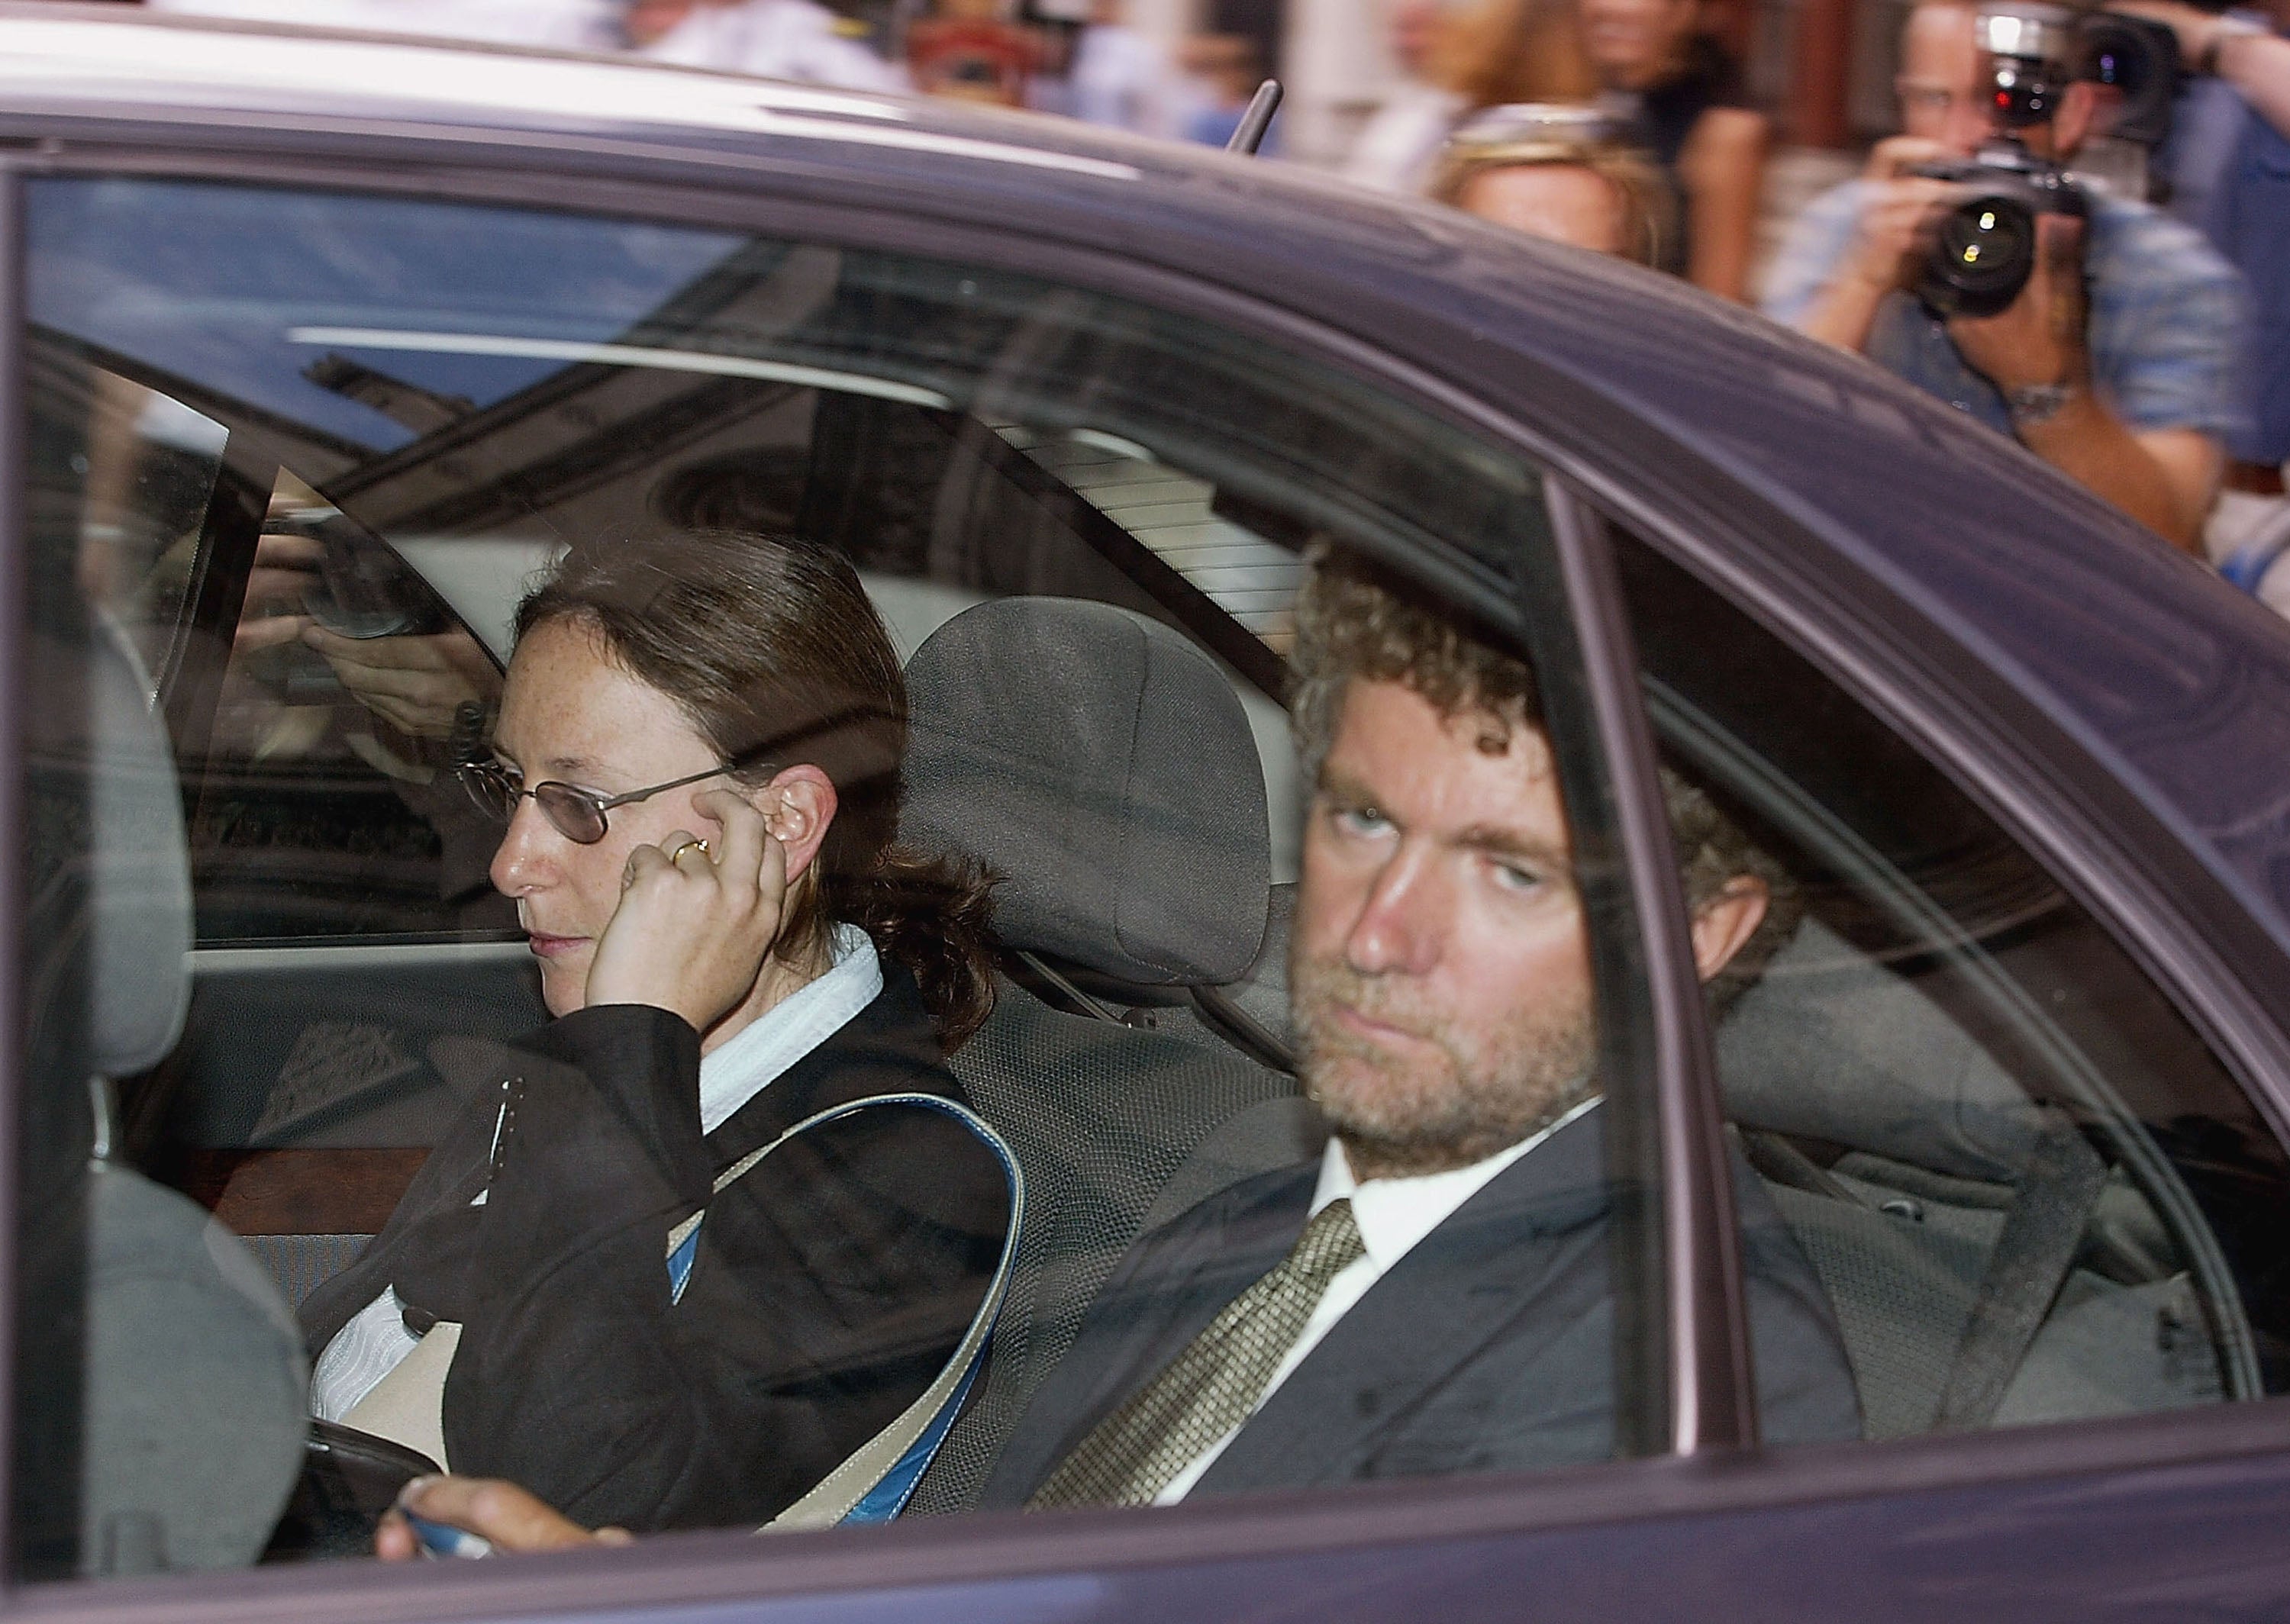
(386, 425)
(1026, 404)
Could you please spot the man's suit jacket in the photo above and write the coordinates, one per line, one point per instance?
(1489, 1347)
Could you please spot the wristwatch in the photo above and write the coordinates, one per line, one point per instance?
(2035, 403)
(2225, 28)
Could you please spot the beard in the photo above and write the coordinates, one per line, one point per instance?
(1447, 1101)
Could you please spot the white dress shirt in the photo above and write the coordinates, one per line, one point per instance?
(368, 1347)
(1392, 1214)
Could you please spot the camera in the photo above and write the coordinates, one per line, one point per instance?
(2139, 59)
(1985, 248)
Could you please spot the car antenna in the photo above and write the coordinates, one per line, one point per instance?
(1248, 134)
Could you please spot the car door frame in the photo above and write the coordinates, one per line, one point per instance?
(985, 1551)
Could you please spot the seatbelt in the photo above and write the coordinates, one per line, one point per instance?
(874, 1483)
(2042, 1230)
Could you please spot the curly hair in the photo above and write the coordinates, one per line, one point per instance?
(1355, 621)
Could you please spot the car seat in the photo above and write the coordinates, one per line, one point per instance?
(195, 1385)
(1987, 1267)
(1104, 768)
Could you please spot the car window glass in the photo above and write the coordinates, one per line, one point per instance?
(331, 472)
(2031, 1191)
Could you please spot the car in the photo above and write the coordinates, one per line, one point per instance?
(2019, 1082)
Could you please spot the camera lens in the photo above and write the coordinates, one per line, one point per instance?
(1982, 256)
(2139, 60)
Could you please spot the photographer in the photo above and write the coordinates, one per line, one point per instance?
(2228, 165)
(2115, 363)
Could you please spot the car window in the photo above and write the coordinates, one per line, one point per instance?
(2032, 1192)
(355, 851)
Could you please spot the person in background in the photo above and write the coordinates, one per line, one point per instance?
(1708, 144)
(1561, 173)
(799, 40)
(565, 25)
(2114, 363)
(1225, 68)
(2228, 165)
(1397, 146)
(1118, 78)
(969, 51)
(1489, 53)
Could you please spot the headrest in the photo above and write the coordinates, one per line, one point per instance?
(139, 870)
(1104, 766)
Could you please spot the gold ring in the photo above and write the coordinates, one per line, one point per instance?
(700, 846)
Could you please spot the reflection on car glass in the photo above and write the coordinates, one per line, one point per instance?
(1247, 577)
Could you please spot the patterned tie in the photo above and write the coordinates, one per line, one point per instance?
(1211, 1386)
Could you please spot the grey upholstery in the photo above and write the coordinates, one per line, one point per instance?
(1830, 1045)
(1102, 1119)
(138, 880)
(1104, 766)
(194, 1396)
(196, 1390)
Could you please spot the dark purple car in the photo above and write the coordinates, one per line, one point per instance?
(365, 332)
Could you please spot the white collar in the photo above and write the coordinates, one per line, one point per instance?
(760, 1052)
(1395, 1213)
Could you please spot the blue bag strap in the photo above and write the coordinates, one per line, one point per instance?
(875, 1482)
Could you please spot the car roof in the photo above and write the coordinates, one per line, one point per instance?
(1797, 463)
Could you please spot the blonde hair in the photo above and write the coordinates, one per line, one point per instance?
(1535, 136)
(1501, 51)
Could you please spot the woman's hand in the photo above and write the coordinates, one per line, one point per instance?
(695, 922)
(512, 1519)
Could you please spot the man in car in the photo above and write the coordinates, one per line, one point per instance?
(1434, 1292)
(2128, 387)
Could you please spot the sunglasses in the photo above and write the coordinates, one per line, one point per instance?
(577, 815)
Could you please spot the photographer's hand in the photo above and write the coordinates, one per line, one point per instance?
(2257, 64)
(2037, 342)
(1889, 241)
(417, 684)
(2037, 353)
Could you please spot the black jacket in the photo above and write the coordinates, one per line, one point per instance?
(830, 1284)
(1489, 1348)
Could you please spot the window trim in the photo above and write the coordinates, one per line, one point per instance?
(1713, 1398)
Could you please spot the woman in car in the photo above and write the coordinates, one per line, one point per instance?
(697, 757)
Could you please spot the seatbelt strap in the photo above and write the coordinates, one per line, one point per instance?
(875, 1482)
(2042, 1230)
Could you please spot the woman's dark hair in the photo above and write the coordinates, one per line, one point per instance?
(770, 646)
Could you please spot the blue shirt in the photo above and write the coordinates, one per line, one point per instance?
(2230, 177)
(2166, 316)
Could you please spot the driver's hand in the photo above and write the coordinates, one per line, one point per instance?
(416, 685)
(1894, 231)
(513, 1519)
(2038, 338)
